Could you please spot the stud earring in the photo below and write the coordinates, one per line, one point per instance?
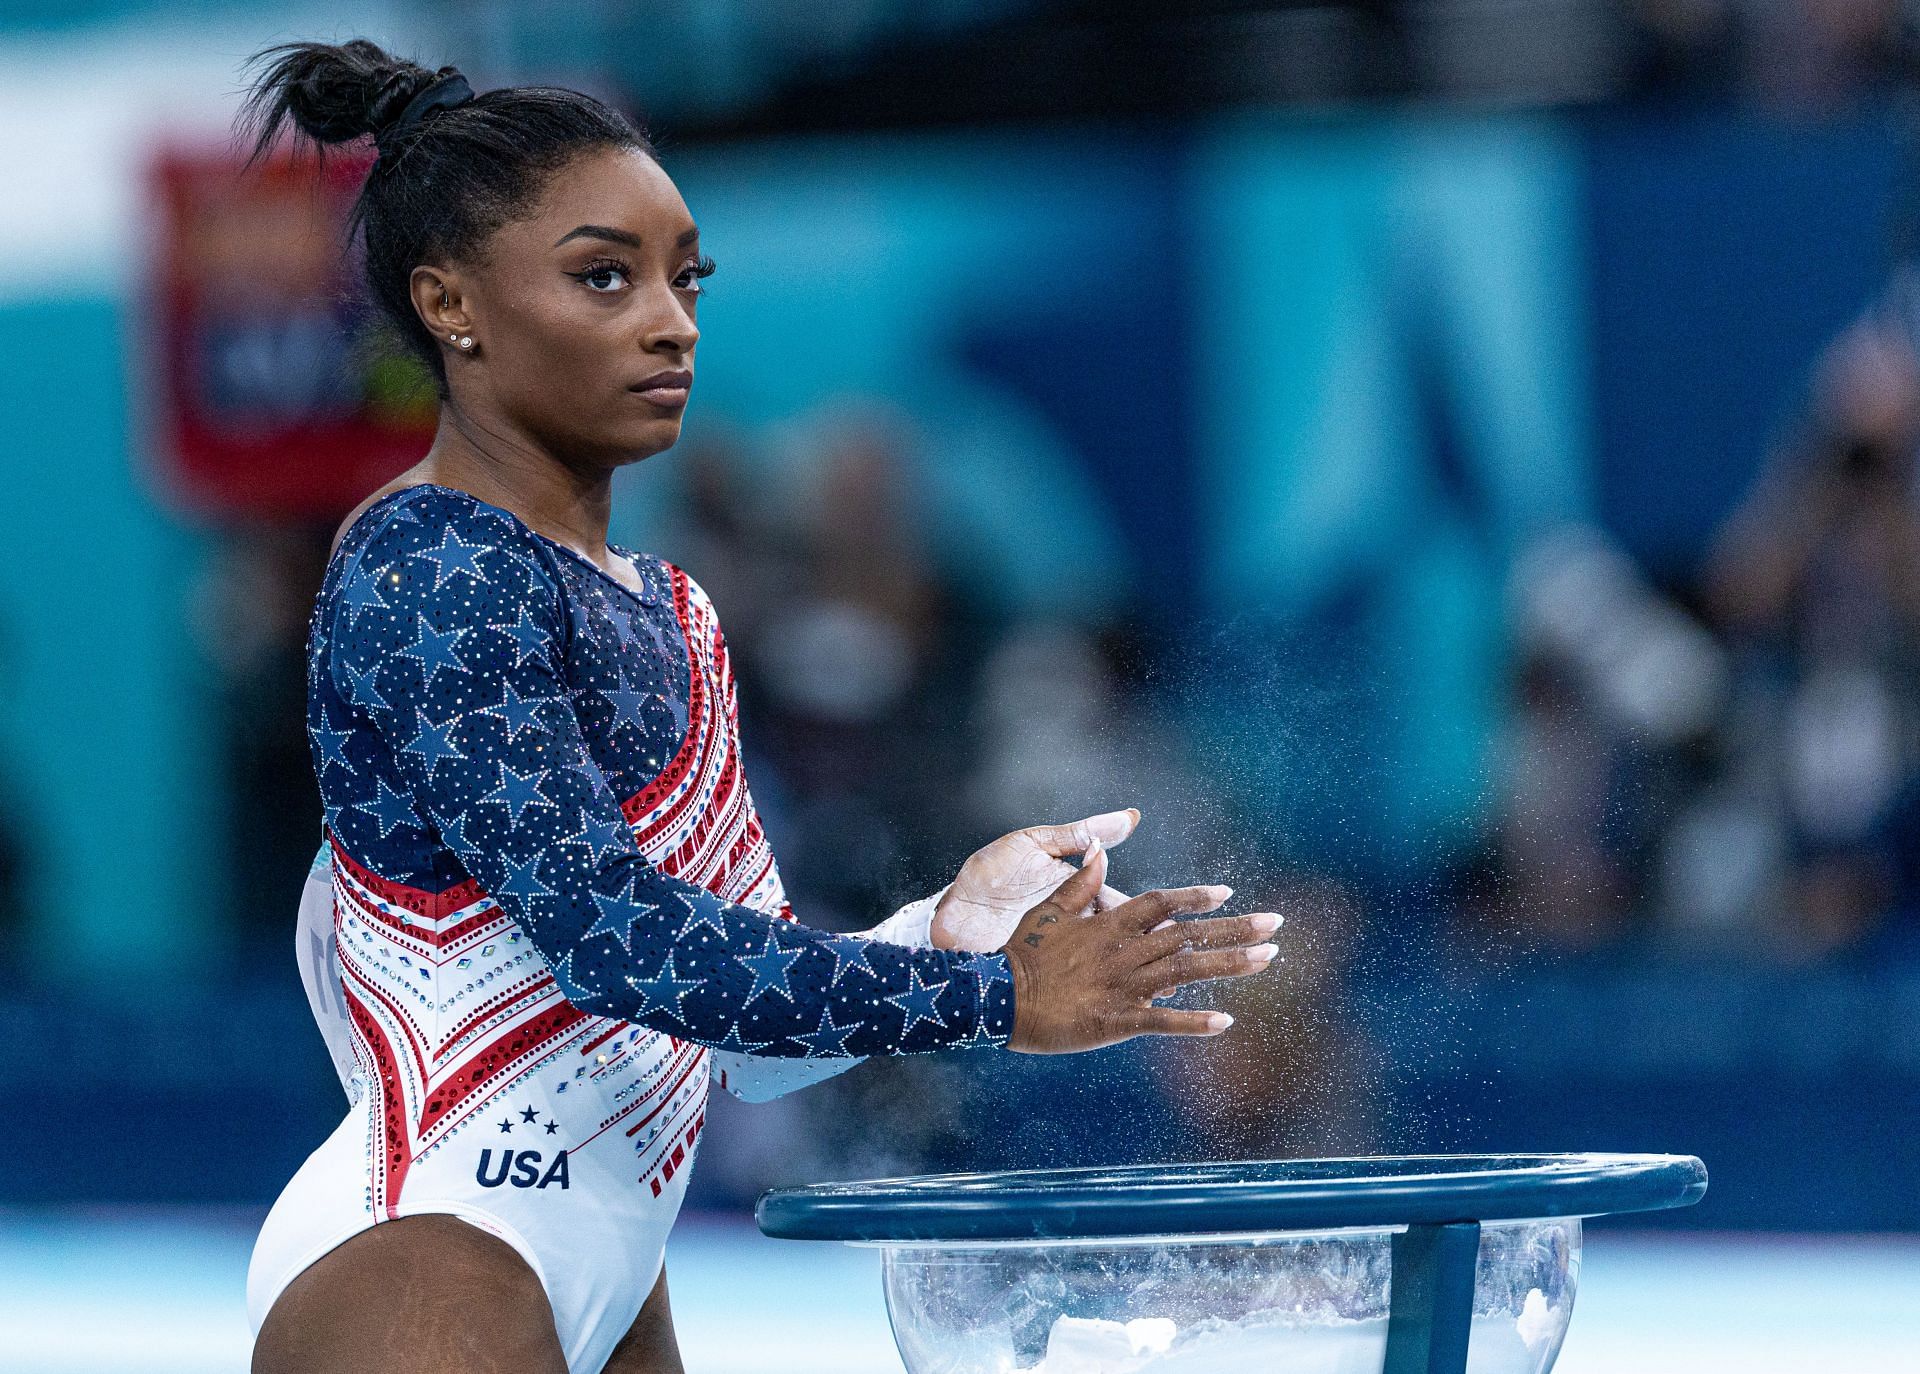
(464, 340)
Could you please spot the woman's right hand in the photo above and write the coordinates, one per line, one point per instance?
(1083, 981)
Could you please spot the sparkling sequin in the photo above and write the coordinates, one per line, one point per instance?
(486, 705)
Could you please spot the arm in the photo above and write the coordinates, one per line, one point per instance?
(756, 1078)
(471, 700)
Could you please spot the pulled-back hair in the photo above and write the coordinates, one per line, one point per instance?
(449, 181)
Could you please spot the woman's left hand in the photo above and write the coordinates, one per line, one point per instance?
(1002, 881)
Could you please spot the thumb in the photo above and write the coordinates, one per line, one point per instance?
(1078, 890)
(1108, 828)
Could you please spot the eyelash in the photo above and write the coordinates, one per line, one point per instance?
(702, 267)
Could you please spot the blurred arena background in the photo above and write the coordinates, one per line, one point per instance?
(1451, 463)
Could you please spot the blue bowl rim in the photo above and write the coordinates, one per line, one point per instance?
(1243, 1197)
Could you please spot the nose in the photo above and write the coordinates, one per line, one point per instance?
(670, 328)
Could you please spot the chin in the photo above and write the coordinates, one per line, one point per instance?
(643, 441)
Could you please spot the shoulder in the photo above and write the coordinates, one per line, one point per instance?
(430, 547)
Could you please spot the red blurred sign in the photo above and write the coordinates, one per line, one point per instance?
(272, 393)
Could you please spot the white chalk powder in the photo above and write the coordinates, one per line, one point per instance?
(1272, 1343)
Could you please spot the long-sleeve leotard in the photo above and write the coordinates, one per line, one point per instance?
(479, 692)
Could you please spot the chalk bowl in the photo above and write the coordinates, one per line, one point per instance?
(1438, 1264)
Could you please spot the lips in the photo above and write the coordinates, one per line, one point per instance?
(665, 388)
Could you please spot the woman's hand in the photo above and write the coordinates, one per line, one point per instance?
(1002, 880)
(1081, 981)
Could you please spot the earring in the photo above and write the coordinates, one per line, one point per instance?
(464, 340)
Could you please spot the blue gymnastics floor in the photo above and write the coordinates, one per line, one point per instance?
(161, 1293)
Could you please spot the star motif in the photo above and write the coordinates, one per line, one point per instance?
(362, 690)
(434, 743)
(390, 809)
(850, 952)
(333, 744)
(619, 917)
(563, 979)
(529, 640)
(736, 1045)
(506, 1127)
(829, 1041)
(523, 880)
(982, 1035)
(703, 909)
(518, 791)
(454, 555)
(598, 840)
(520, 713)
(918, 1000)
(770, 968)
(362, 594)
(529, 1114)
(626, 708)
(553, 1127)
(664, 988)
(435, 650)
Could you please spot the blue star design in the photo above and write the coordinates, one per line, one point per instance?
(518, 791)
(454, 555)
(520, 713)
(598, 840)
(390, 809)
(770, 968)
(918, 1000)
(434, 743)
(626, 708)
(362, 594)
(664, 988)
(454, 832)
(523, 880)
(333, 744)
(829, 1040)
(733, 1042)
(622, 623)
(563, 979)
(435, 650)
(362, 689)
(703, 909)
(849, 953)
(618, 917)
(529, 640)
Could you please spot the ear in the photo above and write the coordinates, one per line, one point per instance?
(438, 300)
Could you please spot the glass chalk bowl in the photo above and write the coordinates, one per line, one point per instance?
(1460, 1264)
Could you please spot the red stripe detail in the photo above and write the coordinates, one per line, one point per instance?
(390, 1122)
(603, 1037)
(432, 905)
(494, 1057)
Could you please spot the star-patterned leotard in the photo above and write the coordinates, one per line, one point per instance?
(551, 898)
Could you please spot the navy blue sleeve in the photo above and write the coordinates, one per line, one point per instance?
(455, 654)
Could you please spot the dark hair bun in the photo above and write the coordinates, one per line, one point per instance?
(331, 93)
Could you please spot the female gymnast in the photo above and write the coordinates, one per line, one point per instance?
(545, 905)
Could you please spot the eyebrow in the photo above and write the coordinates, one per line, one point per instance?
(621, 236)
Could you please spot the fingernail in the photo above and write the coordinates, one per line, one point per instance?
(1264, 922)
(1259, 954)
(1221, 890)
(1218, 1022)
(1091, 850)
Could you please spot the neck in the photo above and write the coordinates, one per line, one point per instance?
(567, 504)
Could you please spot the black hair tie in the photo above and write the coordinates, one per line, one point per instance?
(449, 89)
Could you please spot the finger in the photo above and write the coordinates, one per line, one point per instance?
(1163, 976)
(1109, 828)
(1218, 932)
(1149, 909)
(1081, 886)
(1109, 898)
(1169, 1021)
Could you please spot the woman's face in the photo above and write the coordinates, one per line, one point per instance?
(578, 305)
